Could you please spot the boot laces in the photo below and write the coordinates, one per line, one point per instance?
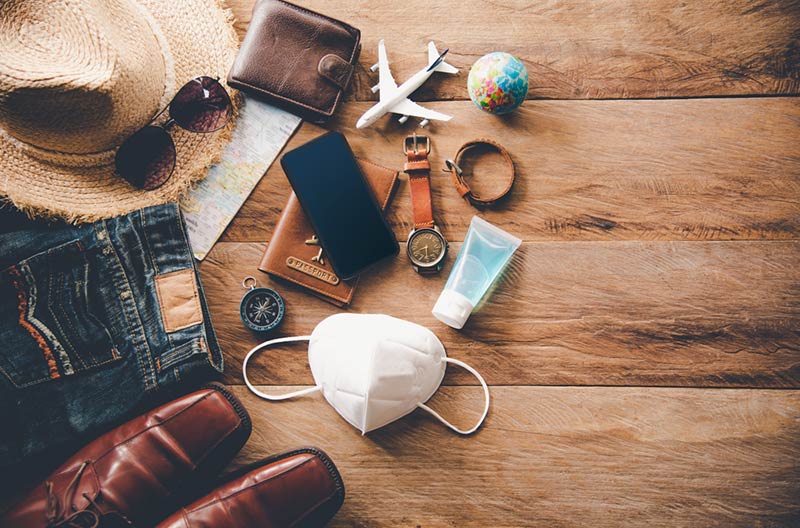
(61, 515)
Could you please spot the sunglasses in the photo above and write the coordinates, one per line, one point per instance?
(147, 158)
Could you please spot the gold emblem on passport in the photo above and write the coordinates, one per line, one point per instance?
(314, 241)
(311, 270)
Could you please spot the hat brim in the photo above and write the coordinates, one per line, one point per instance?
(200, 40)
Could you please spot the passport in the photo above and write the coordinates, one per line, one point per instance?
(295, 255)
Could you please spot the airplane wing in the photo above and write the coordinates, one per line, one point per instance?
(385, 79)
(410, 108)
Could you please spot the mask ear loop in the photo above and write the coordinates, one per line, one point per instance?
(485, 395)
(264, 395)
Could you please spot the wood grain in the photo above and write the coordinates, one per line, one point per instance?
(662, 241)
(594, 170)
(558, 456)
(662, 249)
(582, 50)
(600, 313)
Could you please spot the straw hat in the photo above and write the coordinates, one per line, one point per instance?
(77, 77)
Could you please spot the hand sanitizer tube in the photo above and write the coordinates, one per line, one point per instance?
(485, 252)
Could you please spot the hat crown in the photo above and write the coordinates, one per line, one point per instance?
(77, 76)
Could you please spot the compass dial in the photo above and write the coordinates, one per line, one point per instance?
(262, 309)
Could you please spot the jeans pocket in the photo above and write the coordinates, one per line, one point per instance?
(47, 326)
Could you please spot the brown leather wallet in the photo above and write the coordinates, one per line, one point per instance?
(294, 253)
(297, 59)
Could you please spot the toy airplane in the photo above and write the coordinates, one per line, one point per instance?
(395, 99)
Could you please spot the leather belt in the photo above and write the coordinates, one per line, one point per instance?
(454, 168)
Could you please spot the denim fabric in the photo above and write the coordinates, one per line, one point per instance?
(82, 337)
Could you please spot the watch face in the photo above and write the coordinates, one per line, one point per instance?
(426, 247)
(261, 309)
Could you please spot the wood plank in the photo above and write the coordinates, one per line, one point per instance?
(600, 313)
(583, 50)
(558, 456)
(594, 170)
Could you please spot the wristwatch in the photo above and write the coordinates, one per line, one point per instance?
(426, 247)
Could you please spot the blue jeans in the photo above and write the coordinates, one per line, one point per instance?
(94, 320)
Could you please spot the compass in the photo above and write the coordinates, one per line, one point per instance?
(261, 309)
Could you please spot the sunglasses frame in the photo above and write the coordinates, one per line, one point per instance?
(172, 121)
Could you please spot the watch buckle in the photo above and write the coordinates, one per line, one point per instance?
(413, 141)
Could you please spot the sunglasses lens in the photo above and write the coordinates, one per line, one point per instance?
(202, 105)
(147, 158)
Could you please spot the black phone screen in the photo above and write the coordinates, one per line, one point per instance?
(339, 203)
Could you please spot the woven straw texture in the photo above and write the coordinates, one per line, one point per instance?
(79, 76)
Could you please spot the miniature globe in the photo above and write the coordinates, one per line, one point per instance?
(498, 82)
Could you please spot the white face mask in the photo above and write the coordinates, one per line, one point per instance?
(373, 369)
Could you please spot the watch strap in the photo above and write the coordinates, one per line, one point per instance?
(429, 271)
(455, 169)
(418, 169)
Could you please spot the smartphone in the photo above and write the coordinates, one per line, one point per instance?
(339, 204)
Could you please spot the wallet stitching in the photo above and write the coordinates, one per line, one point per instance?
(327, 112)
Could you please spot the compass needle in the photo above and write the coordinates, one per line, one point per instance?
(261, 309)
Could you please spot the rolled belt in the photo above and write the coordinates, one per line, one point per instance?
(454, 168)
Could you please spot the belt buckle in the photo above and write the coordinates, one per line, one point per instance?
(452, 166)
(413, 141)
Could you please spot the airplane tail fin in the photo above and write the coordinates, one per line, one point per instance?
(433, 56)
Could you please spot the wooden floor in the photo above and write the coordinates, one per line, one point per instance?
(643, 350)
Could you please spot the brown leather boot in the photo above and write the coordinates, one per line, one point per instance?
(134, 472)
(299, 488)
